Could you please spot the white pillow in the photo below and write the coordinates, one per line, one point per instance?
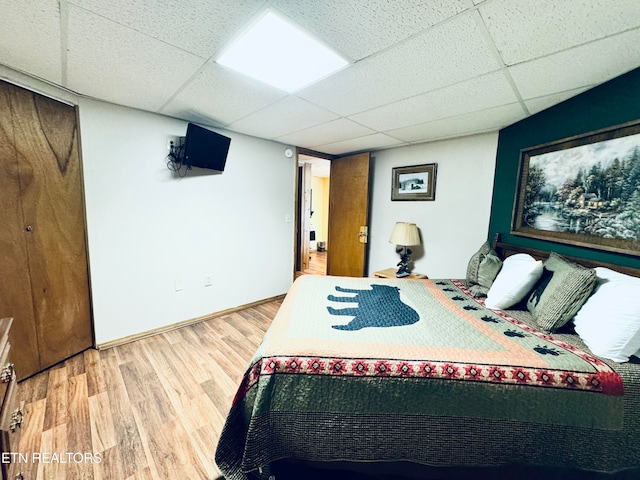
(609, 321)
(518, 275)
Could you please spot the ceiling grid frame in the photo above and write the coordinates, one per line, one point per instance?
(162, 60)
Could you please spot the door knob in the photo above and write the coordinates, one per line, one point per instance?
(29, 228)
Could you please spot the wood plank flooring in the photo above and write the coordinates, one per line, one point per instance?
(150, 409)
(317, 263)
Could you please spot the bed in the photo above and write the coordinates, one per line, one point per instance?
(396, 378)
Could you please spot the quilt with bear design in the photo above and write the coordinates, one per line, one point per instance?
(354, 351)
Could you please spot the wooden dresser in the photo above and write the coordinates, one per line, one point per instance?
(10, 412)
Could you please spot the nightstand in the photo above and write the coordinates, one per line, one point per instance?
(391, 273)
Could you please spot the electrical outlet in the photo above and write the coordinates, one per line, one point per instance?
(208, 280)
(178, 285)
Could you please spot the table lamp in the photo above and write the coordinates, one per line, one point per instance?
(404, 235)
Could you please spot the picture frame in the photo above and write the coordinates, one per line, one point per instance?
(415, 182)
(582, 190)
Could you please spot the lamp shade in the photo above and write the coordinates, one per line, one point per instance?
(405, 234)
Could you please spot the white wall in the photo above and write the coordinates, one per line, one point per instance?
(454, 225)
(148, 229)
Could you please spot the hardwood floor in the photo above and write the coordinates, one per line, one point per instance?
(150, 409)
(317, 263)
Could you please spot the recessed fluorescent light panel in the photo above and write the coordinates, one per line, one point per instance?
(281, 54)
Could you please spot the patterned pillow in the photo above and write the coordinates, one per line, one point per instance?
(482, 270)
(560, 292)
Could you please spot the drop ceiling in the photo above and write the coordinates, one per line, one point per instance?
(420, 70)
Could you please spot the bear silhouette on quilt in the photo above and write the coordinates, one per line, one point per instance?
(379, 307)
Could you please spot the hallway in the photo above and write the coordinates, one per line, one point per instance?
(317, 263)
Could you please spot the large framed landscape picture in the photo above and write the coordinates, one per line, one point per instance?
(583, 190)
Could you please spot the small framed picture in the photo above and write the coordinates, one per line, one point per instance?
(417, 182)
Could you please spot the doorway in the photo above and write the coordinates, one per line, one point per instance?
(347, 214)
(314, 174)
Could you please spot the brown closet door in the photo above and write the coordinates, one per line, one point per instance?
(46, 141)
(15, 285)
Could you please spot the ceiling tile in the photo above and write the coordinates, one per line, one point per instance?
(360, 28)
(333, 131)
(285, 116)
(370, 142)
(529, 29)
(536, 105)
(423, 70)
(30, 38)
(134, 69)
(453, 51)
(222, 95)
(201, 27)
(576, 68)
(477, 94)
(476, 122)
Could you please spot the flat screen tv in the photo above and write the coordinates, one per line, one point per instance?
(204, 148)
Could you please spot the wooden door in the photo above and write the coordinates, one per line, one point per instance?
(52, 231)
(348, 216)
(15, 282)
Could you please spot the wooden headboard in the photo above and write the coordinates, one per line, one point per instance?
(505, 250)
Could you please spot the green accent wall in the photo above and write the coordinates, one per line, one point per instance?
(612, 103)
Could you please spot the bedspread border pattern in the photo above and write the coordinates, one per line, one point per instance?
(603, 380)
